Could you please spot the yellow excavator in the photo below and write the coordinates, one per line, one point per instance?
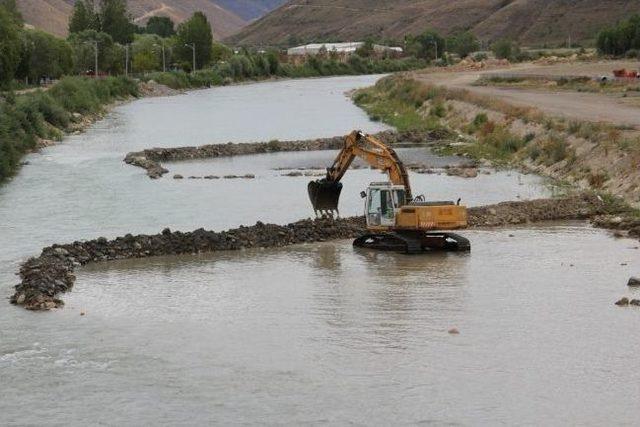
(396, 221)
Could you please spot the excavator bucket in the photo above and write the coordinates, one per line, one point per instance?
(324, 196)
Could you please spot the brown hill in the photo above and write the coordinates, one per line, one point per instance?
(53, 15)
(532, 22)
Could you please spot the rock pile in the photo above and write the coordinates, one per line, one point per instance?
(153, 168)
(583, 206)
(45, 277)
(50, 274)
(628, 222)
(633, 282)
(151, 159)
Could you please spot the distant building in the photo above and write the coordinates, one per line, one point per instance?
(341, 50)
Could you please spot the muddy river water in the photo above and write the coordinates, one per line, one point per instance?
(310, 334)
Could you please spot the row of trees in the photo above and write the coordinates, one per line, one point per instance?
(111, 17)
(430, 45)
(33, 55)
(621, 38)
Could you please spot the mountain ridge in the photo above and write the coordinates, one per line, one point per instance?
(532, 22)
(226, 16)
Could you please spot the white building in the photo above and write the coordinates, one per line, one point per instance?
(338, 48)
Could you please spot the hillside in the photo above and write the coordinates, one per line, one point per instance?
(532, 22)
(250, 9)
(53, 15)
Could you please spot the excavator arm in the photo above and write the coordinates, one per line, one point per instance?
(325, 193)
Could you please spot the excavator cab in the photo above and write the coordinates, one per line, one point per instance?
(383, 200)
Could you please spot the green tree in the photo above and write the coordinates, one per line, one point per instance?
(220, 52)
(620, 38)
(145, 61)
(116, 21)
(366, 50)
(146, 51)
(44, 55)
(505, 49)
(196, 31)
(274, 62)
(10, 46)
(83, 17)
(463, 43)
(160, 25)
(11, 7)
(428, 45)
(110, 55)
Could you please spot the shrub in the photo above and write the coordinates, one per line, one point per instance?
(555, 149)
(633, 54)
(480, 119)
(504, 141)
(529, 137)
(438, 110)
(597, 180)
(26, 117)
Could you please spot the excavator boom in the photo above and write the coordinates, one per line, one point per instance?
(325, 193)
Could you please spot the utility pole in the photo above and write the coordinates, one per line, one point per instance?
(164, 60)
(435, 43)
(95, 45)
(193, 48)
(126, 60)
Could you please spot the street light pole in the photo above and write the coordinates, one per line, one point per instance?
(193, 48)
(164, 60)
(95, 45)
(96, 49)
(126, 60)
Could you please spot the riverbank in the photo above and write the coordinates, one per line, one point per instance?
(52, 273)
(34, 120)
(587, 155)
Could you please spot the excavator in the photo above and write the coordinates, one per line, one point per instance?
(396, 221)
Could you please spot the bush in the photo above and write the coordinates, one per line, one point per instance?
(480, 119)
(503, 141)
(620, 38)
(505, 49)
(25, 118)
(633, 54)
(438, 110)
(554, 150)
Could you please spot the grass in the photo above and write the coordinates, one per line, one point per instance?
(572, 84)
(27, 117)
(399, 104)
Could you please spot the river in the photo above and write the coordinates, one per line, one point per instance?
(311, 334)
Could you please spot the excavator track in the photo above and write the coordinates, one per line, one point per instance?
(414, 242)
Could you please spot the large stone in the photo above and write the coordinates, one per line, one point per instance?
(634, 282)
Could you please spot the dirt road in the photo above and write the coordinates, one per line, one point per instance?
(583, 106)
